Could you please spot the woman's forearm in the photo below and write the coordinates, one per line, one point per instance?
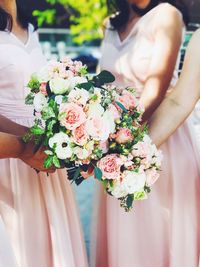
(167, 118)
(10, 146)
(10, 127)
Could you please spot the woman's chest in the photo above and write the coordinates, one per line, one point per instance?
(130, 58)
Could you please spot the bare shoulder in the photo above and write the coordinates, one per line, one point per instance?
(168, 15)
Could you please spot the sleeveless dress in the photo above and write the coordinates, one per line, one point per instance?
(39, 223)
(164, 230)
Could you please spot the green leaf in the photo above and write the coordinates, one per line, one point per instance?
(56, 162)
(48, 113)
(76, 174)
(48, 162)
(98, 173)
(129, 201)
(29, 99)
(87, 86)
(48, 152)
(121, 106)
(34, 84)
(103, 77)
(36, 130)
(50, 125)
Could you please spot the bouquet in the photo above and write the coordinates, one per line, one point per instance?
(87, 121)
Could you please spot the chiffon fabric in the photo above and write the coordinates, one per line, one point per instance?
(164, 230)
(39, 223)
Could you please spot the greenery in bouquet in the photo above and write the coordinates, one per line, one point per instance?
(86, 121)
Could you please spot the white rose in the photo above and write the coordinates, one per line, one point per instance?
(119, 190)
(133, 182)
(39, 102)
(95, 110)
(79, 96)
(59, 85)
(76, 80)
(58, 99)
(43, 75)
(62, 143)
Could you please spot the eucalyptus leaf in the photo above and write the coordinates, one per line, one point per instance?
(98, 173)
(103, 77)
(121, 106)
(76, 174)
(129, 201)
(87, 86)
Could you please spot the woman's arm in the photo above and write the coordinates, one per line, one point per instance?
(13, 147)
(10, 146)
(10, 127)
(178, 105)
(168, 37)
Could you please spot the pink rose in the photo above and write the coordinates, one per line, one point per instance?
(152, 176)
(110, 166)
(124, 101)
(123, 136)
(43, 89)
(104, 146)
(141, 150)
(80, 135)
(132, 100)
(128, 100)
(74, 116)
(98, 128)
(115, 113)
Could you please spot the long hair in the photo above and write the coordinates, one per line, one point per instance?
(121, 11)
(6, 20)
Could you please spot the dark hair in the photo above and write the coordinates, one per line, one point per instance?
(6, 20)
(121, 11)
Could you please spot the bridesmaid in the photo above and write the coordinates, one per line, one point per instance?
(180, 103)
(39, 224)
(141, 48)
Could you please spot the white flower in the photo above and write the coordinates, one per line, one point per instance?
(119, 190)
(79, 96)
(39, 102)
(59, 85)
(133, 181)
(90, 145)
(58, 99)
(61, 141)
(108, 117)
(44, 75)
(74, 81)
(81, 153)
(95, 110)
(96, 96)
(98, 128)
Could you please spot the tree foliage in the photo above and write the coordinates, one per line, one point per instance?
(85, 16)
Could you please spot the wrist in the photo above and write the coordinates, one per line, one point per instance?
(20, 147)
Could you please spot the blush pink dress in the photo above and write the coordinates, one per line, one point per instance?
(164, 230)
(39, 223)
